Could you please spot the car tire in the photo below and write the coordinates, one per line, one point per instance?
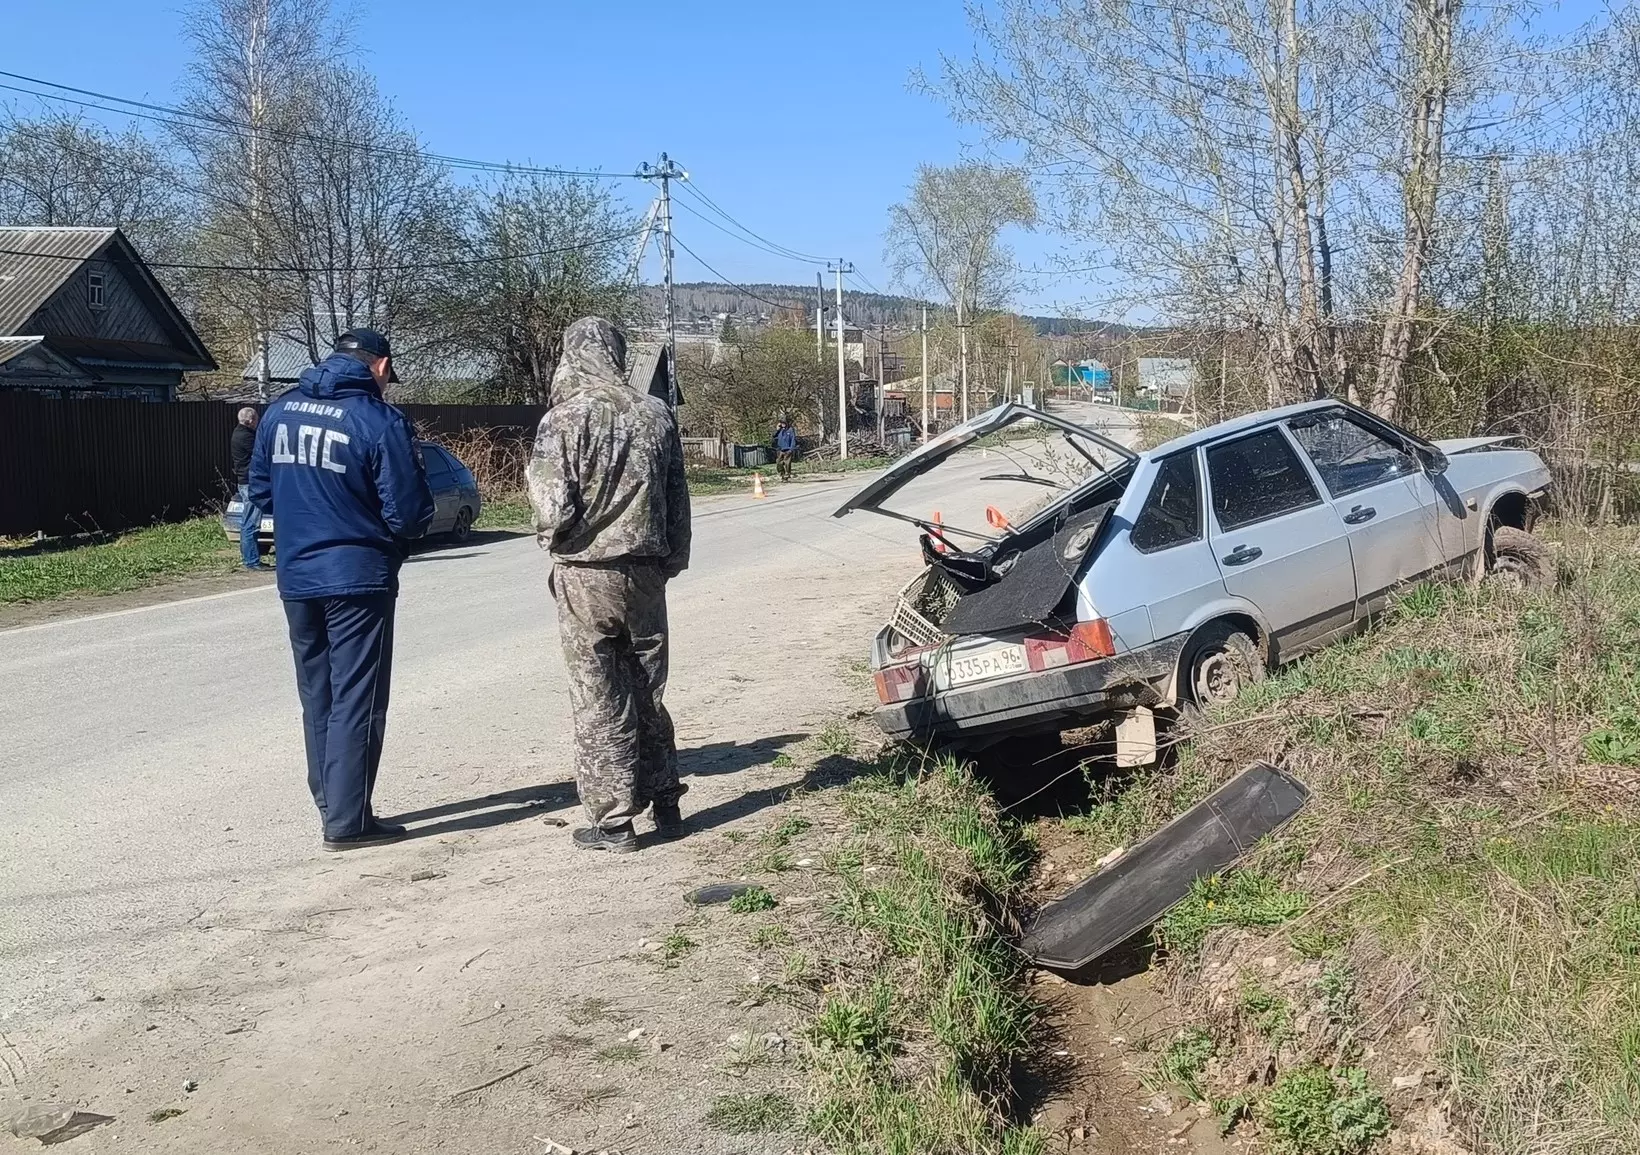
(463, 528)
(1223, 661)
(1519, 559)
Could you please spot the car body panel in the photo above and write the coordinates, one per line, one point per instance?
(454, 489)
(1321, 567)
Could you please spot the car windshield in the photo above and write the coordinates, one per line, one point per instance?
(1001, 481)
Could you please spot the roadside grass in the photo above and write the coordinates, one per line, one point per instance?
(37, 572)
(920, 1019)
(505, 511)
(705, 480)
(1468, 867)
(750, 1114)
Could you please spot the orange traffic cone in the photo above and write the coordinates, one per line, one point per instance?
(939, 542)
(757, 486)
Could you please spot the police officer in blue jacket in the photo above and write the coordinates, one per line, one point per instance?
(339, 469)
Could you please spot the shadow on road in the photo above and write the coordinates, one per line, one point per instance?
(832, 770)
(727, 757)
(490, 810)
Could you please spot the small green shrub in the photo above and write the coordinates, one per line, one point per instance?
(1309, 1112)
(1182, 1062)
(750, 1114)
(751, 901)
(1247, 898)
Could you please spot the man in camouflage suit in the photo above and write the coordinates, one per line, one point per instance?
(611, 504)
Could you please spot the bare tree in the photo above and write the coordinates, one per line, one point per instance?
(946, 238)
(546, 251)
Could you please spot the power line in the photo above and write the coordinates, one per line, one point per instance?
(700, 216)
(454, 262)
(181, 117)
(727, 281)
(795, 254)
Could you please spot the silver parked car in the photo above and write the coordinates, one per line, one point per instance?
(1178, 575)
(456, 503)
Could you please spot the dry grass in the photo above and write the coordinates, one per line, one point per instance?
(1469, 868)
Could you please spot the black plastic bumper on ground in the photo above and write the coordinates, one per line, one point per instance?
(1038, 700)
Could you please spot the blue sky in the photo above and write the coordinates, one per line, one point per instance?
(797, 119)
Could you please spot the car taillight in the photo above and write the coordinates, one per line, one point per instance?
(897, 683)
(1086, 642)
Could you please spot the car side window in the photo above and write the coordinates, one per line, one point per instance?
(1257, 477)
(438, 465)
(1348, 455)
(1172, 513)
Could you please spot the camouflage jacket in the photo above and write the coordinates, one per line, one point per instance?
(606, 477)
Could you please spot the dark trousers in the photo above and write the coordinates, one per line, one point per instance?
(344, 666)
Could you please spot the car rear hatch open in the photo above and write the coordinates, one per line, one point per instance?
(1017, 574)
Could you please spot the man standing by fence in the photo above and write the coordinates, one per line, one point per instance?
(240, 446)
(611, 504)
(339, 470)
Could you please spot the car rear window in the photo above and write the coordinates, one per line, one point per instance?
(1172, 514)
(1256, 478)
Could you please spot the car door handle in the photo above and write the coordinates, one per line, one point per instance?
(1359, 514)
(1241, 555)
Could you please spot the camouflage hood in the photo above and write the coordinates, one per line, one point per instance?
(594, 354)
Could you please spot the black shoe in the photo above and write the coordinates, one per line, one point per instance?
(376, 834)
(669, 821)
(620, 839)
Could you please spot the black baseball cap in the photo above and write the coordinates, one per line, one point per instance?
(370, 344)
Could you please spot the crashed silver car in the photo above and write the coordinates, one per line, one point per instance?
(1174, 576)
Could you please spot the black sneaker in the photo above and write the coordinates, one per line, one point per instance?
(620, 839)
(376, 834)
(669, 821)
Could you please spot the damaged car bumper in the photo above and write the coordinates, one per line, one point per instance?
(990, 709)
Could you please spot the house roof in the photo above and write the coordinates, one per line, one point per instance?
(16, 346)
(36, 261)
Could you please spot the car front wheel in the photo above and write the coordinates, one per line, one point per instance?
(1223, 662)
(464, 525)
(1519, 559)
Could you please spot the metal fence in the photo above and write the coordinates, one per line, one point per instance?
(83, 466)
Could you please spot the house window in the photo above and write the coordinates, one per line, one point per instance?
(94, 289)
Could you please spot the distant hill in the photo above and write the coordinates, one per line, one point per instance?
(700, 301)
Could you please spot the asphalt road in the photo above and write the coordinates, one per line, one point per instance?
(152, 787)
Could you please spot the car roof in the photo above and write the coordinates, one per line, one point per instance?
(1236, 425)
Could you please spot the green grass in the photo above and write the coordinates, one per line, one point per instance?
(675, 946)
(771, 935)
(751, 901)
(1473, 828)
(705, 480)
(752, 1114)
(1308, 1111)
(1182, 1062)
(511, 511)
(128, 561)
(619, 1053)
(914, 1052)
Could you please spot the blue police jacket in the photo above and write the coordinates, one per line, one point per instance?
(785, 439)
(339, 469)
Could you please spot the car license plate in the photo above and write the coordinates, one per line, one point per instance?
(267, 525)
(991, 663)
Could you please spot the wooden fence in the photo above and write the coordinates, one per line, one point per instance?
(82, 466)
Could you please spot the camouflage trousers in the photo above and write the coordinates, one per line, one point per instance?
(612, 625)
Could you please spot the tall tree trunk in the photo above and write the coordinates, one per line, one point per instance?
(1432, 30)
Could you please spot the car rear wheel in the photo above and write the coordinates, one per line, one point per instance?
(464, 525)
(1223, 662)
(1519, 559)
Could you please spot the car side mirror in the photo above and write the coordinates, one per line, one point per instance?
(1432, 460)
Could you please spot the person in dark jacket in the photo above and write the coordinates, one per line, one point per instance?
(250, 517)
(612, 506)
(785, 448)
(338, 468)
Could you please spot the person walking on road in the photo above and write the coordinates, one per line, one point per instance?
(339, 470)
(240, 445)
(785, 448)
(611, 504)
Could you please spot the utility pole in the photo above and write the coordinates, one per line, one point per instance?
(667, 172)
(882, 386)
(962, 356)
(819, 315)
(840, 268)
(1008, 389)
(925, 375)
